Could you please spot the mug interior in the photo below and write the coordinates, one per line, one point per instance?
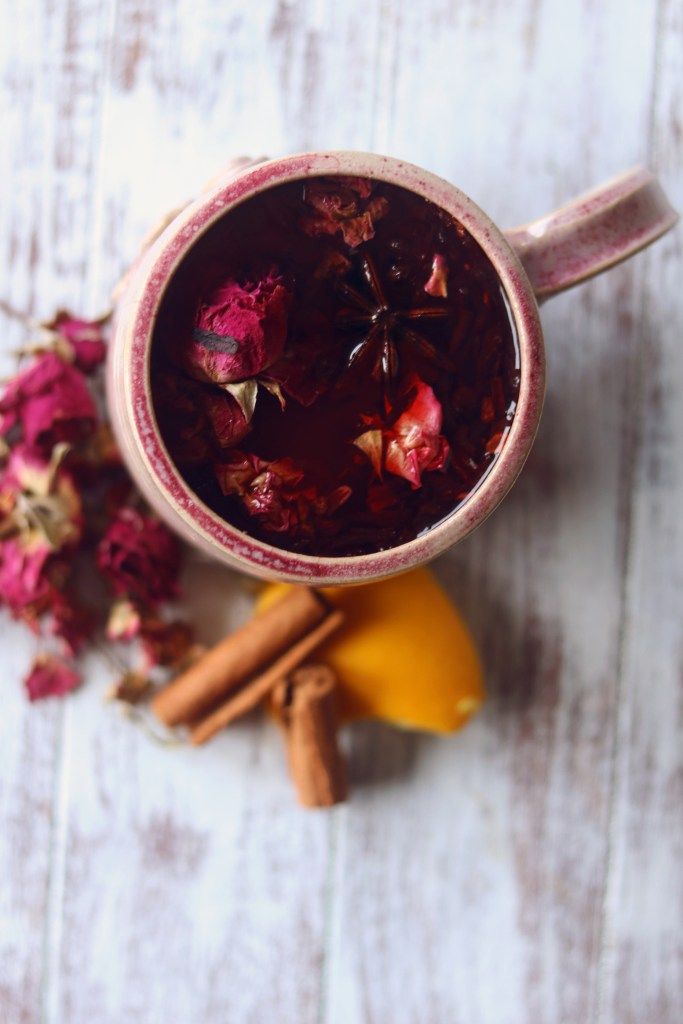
(199, 523)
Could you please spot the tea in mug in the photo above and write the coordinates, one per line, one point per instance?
(335, 368)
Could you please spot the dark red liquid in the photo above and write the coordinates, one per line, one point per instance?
(352, 355)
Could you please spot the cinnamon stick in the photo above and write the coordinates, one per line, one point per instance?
(307, 710)
(256, 689)
(223, 668)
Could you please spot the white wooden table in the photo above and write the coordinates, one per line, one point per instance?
(529, 870)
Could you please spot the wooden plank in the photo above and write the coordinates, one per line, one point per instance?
(49, 102)
(196, 887)
(643, 933)
(465, 881)
(469, 884)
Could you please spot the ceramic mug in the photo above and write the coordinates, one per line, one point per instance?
(533, 262)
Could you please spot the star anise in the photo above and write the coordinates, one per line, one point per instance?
(386, 329)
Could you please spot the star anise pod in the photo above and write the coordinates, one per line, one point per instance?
(385, 329)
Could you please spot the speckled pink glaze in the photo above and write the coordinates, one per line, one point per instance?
(557, 252)
(593, 233)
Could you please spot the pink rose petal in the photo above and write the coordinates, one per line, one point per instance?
(49, 676)
(50, 400)
(85, 339)
(437, 285)
(414, 445)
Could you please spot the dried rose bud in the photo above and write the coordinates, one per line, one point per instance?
(25, 583)
(39, 501)
(41, 519)
(49, 676)
(84, 339)
(51, 402)
(140, 557)
(228, 421)
(240, 330)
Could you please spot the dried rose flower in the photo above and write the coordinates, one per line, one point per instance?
(414, 445)
(274, 492)
(25, 584)
(82, 341)
(51, 402)
(49, 676)
(41, 520)
(165, 643)
(343, 205)
(140, 557)
(240, 330)
(61, 480)
(73, 624)
(39, 501)
(228, 421)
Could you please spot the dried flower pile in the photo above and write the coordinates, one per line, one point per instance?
(72, 524)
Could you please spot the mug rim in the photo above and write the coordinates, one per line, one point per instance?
(167, 489)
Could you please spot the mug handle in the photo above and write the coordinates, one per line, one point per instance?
(593, 233)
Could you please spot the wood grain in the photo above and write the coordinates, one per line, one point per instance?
(643, 921)
(528, 870)
(50, 91)
(508, 826)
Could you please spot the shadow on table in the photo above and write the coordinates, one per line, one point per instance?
(379, 754)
